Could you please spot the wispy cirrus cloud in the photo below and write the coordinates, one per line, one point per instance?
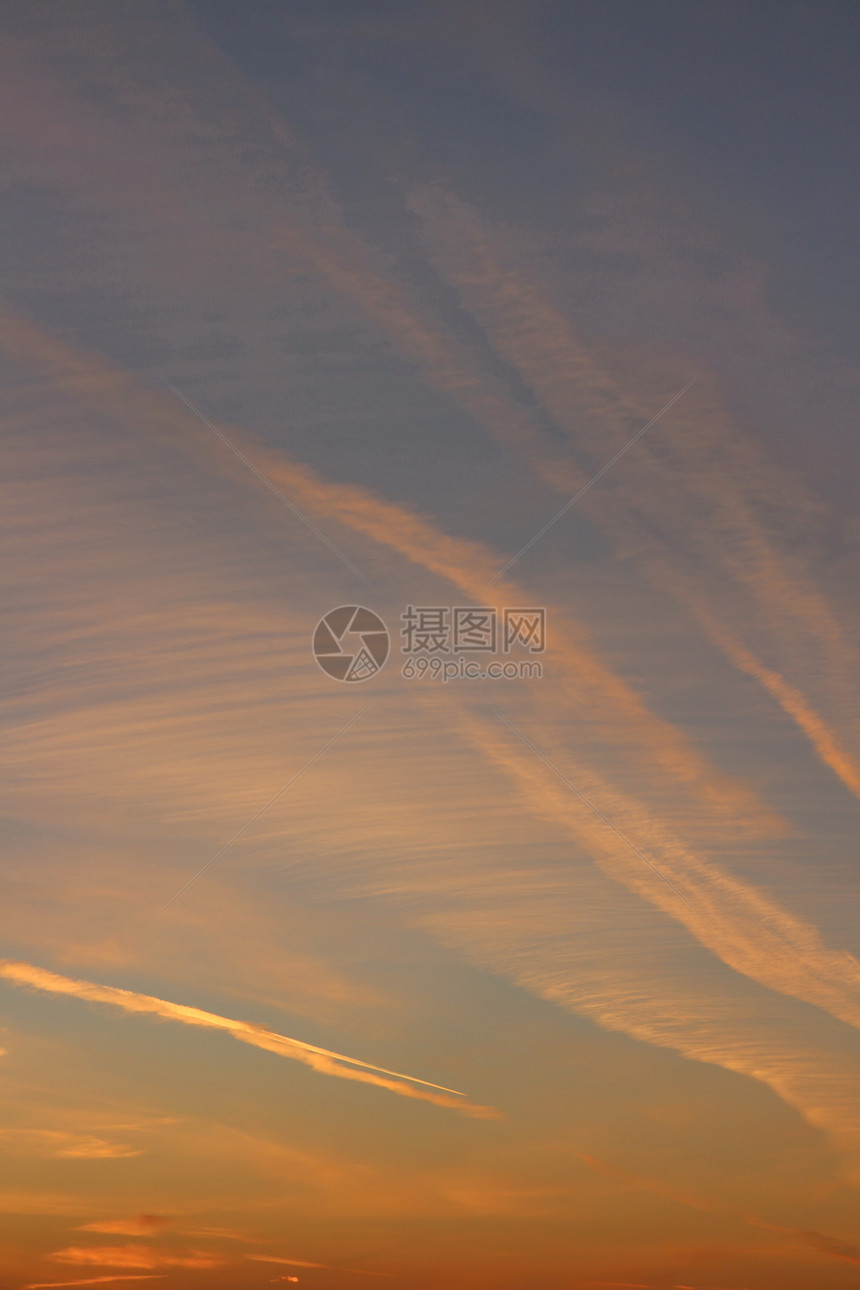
(135, 1256)
(91, 1281)
(705, 485)
(70, 1146)
(319, 1059)
(304, 1263)
(131, 137)
(744, 914)
(741, 924)
(141, 1225)
(591, 685)
(157, 1224)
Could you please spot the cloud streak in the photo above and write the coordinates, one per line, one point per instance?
(732, 919)
(592, 689)
(135, 1256)
(93, 1281)
(703, 490)
(142, 1225)
(303, 1263)
(70, 1146)
(739, 923)
(319, 1059)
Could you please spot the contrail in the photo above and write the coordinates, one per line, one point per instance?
(321, 1059)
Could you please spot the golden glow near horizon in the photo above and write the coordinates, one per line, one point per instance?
(430, 587)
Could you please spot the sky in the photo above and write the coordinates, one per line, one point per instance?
(502, 933)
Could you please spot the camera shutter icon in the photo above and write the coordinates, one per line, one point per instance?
(351, 643)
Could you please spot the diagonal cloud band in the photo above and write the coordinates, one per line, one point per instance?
(320, 1059)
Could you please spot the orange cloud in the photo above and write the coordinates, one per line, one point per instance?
(303, 1263)
(135, 1256)
(320, 1059)
(470, 566)
(793, 701)
(290, 1263)
(739, 923)
(143, 1225)
(538, 933)
(70, 1146)
(589, 684)
(90, 1281)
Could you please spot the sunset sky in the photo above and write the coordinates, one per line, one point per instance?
(464, 982)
